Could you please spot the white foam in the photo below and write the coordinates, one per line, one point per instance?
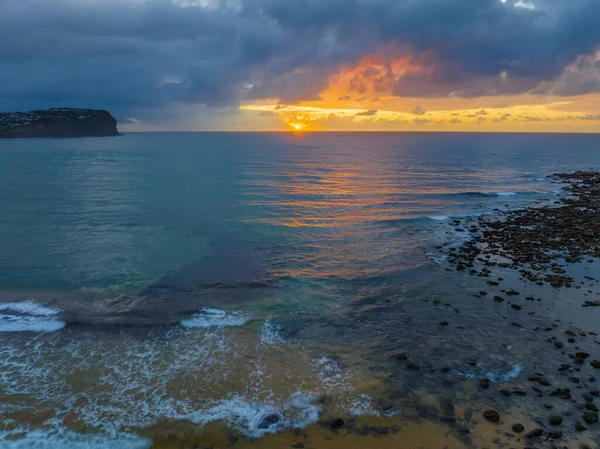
(28, 316)
(39, 439)
(29, 307)
(440, 218)
(249, 417)
(506, 193)
(209, 317)
(269, 334)
(494, 376)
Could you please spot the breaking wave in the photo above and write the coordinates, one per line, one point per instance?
(28, 316)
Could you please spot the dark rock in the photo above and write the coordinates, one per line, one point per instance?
(516, 306)
(413, 366)
(491, 416)
(590, 417)
(61, 122)
(591, 406)
(400, 357)
(579, 427)
(556, 434)
(545, 382)
(444, 323)
(555, 420)
(595, 364)
(269, 420)
(498, 299)
(518, 428)
(337, 423)
(582, 355)
(559, 344)
(535, 433)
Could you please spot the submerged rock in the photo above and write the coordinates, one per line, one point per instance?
(337, 423)
(491, 416)
(555, 420)
(269, 420)
(535, 433)
(590, 417)
(518, 428)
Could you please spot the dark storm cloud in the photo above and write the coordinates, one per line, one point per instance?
(134, 54)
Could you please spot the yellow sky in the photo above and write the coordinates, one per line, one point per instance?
(360, 99)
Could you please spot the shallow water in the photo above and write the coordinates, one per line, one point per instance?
(223, 289)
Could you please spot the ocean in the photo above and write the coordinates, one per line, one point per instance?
(245, 289)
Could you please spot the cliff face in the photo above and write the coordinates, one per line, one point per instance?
(59, 122)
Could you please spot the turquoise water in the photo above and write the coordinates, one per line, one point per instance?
(123, 212)
(252, 280)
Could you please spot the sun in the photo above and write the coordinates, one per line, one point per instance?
(297, 127)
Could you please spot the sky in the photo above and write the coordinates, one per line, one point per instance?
(308, 65)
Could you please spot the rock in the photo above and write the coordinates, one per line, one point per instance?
(555, 420)
(588, 397)
(269, 420)
(413, 366)
(535, 433)
(518, 428)
(491, 416)
(444, 323)
(506, 392)
(545, 382)
(595, 364)
(579, 427)
(337, 423)
(556, 434)
(582, 355)
(516, 306)
(400, 357)
(590, 417)
(60, 122)
(498, 299)
(591, 406)
(484, 382)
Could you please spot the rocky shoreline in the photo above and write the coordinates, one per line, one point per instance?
(538, 241)
(543, 244)
(57, 123)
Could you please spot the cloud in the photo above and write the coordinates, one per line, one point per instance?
(589, 117)
(482, 112)
(149, 55)
(418, 111)
(500, 106)
(581, 77)
(345, 98)
(421, 121)
(368, 113)
(455, 120)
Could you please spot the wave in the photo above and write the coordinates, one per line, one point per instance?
(269, 334)
(39, 439)
(28, 316)
(209, 317)
(493, 194)
(258, 419)
(495, 376)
